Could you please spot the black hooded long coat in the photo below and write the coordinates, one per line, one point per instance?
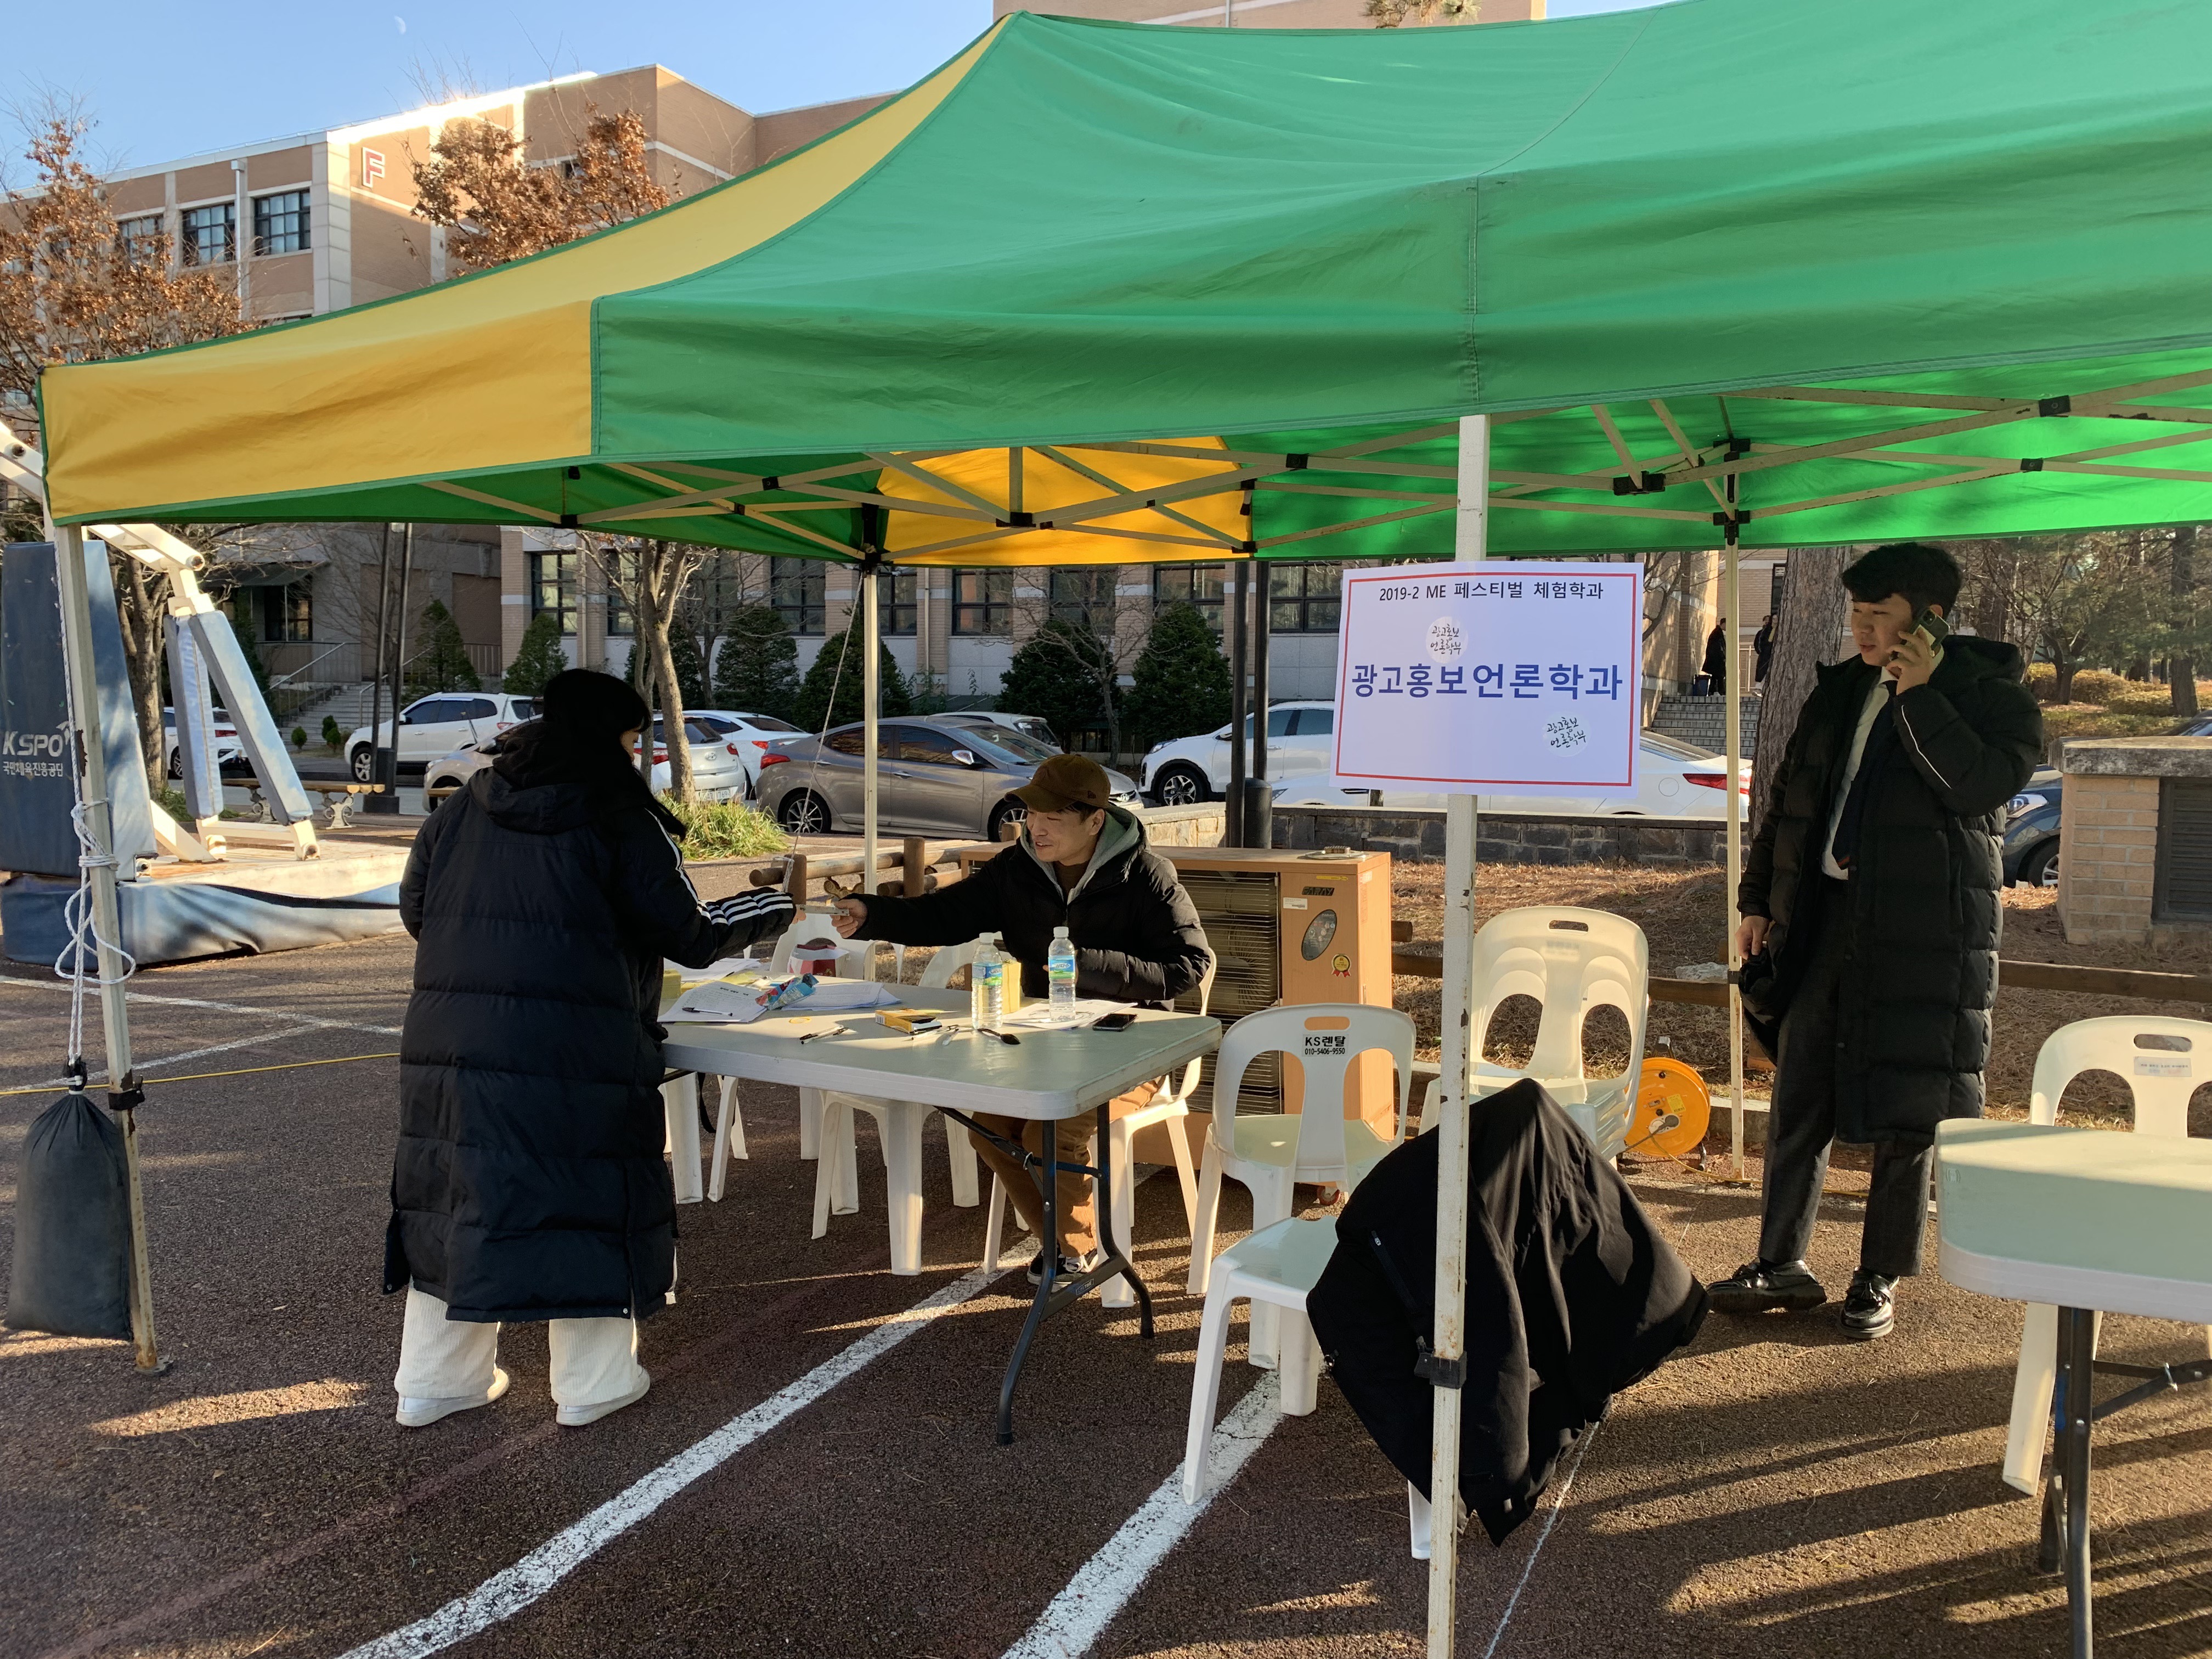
(1920, 912)
(529, 1182)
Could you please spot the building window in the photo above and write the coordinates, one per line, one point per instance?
(1302, 598)
(280, 223)
(984, 602)
(139, 239)
(288, 613)
(1200, 585)
(553, 587)
(1085, 596)
(210, 234)
(794, 588)
(622, 620)
(898, 601)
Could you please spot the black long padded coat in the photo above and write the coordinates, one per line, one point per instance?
(1922, 910)
(529, 1182)
(1136, 934)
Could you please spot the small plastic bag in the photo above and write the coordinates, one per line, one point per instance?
(72, 1258)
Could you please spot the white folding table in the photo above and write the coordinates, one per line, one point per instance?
(1045, 1076)
(2089, 1222)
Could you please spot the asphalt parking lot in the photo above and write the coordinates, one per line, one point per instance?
(814, 1472)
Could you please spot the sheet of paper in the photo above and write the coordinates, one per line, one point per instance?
(720, 1002)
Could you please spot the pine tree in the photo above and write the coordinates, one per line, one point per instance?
(442, 664)
(1181, 681)
(690, 672)
(814, 709)
(537, 658)
(757, 669)
(1064, 676)
(243, 626)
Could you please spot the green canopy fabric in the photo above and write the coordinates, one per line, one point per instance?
(1845, 269)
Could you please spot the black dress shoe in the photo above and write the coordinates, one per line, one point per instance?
(1870, 1306)
(1758, 1287)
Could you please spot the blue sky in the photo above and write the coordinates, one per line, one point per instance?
(164, 80)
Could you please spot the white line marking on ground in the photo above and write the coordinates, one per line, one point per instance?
(198, 1054)
(1078, 1615)
(1529, 1565)
(506, 1594)
(220, 1007)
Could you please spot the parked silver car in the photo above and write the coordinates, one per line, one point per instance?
(932, 779)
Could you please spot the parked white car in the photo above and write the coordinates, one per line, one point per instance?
(437, 725)
(1030, 725)
(752, 733)
(1186, 770)
(717, 772)
(229, 751)
(1674, 778)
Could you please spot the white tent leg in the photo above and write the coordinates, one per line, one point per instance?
(106, 919)
(870, 714)
(1732, 597)
(1459, 1042)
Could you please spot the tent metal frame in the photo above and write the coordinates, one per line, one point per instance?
(1647, 487)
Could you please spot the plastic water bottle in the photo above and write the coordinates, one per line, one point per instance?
(1060, 970)
(987, 982)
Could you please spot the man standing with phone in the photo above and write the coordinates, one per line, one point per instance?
(1873, 890)
(1082, 864)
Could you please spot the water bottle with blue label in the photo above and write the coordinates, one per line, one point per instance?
(1060, 972)
(987, 982)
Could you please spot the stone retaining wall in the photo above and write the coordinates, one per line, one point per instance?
(1417, 835)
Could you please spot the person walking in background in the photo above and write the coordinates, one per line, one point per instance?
(529, 1182)
(1716, 660)
(1762, 649)
(1873, 890)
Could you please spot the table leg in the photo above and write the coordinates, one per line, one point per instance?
(1041, 1304)
(2077, 1346)
(1110, 1246)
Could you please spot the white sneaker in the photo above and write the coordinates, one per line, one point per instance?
(575, 1417)
(421, 1413)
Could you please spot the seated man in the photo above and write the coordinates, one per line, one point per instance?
(1081, 864)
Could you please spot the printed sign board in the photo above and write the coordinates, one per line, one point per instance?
(1517, 676)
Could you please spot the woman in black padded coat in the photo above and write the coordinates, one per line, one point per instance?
(529, 1182)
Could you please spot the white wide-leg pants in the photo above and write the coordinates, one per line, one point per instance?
(594, 1360)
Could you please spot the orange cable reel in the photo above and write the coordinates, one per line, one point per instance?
(1673, 1109)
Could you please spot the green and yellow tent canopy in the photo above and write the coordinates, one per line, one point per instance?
(1837, 270)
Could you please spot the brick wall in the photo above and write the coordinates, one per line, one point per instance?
(2108, 826)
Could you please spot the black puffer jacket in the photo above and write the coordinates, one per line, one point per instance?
(529, 1182)
(1571, 1295)
(1136, 933)
(1924, 916)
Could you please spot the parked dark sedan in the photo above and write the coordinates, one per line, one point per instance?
(931, 779)
(2031, 832)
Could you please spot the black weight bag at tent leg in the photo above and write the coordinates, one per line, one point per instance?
(72, 1267)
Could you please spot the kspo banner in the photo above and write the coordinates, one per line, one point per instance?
(1516, 676)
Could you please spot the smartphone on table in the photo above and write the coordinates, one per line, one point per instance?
(1113, 1022)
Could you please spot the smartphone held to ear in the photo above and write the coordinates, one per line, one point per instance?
(1931, 623)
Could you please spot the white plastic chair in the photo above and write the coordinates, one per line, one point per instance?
(1272, 1267)
(1270, 1152)
(1171, 1105)
(898, 1131)
(2161, 1060)
(1573, 961)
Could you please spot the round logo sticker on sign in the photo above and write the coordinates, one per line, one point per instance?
(1447, 640)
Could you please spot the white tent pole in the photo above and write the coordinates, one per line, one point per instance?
(107, 920)
(871, 712)
(1459, 1042)
(1732, 597)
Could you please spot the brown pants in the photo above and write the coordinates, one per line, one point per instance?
(1078, 1213)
